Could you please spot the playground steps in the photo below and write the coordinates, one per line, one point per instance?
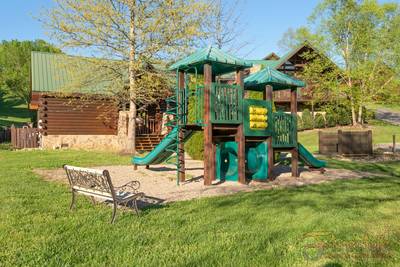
(147, 142)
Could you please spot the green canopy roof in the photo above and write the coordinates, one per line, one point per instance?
(278, 80)
(221, 62)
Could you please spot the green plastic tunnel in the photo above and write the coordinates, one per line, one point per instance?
(227, 161)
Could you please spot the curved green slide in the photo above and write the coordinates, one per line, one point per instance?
(162, 151)
(309, 159)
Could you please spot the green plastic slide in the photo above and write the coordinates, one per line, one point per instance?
(309, 159)
(162, 151)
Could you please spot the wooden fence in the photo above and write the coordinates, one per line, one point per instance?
(354, 143)
(24, 137)
(328, 142)
(347, 143)
(5, 135)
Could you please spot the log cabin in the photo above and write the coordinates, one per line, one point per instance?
(84, 118)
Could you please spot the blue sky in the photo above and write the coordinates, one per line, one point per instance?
(266, 21)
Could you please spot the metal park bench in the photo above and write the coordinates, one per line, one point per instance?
(97, 184)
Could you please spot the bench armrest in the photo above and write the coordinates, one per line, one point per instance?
(132, 186)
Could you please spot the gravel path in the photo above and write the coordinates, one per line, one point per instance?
(388, 116)
(159, 184)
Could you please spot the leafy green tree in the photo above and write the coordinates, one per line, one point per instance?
(138, 33)
(15, 59)
(363, 39)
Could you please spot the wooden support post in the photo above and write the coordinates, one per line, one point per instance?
(295, 153)
(267, 95)
(394, 144)
(181, 134)
(134, 167)
(293, 101)
(240, 138)
(209, 156)
(295, 162)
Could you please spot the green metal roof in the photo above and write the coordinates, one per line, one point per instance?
(268, 76)
(50, 73)
(221, 62)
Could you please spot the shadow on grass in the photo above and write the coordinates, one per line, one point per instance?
(339, 195)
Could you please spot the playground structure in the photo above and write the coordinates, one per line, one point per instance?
(240, 134)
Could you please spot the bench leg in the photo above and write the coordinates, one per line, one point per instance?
(114, 212)
(73, 200)
(135, 207)
(93, 200)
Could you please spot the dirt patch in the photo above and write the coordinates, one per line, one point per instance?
(159, 182)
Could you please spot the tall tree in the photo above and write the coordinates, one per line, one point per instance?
(292, 38)
(225, 25)
(362, 38)
(138, 33)
(15, 59)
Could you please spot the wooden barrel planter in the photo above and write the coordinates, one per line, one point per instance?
(346, 143)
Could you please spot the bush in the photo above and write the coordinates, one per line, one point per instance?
(337, 115)
(307, 120)
(319, 121)
(368, 115)
(195, 146)
(343, 115)
(300, 124)
(330, 119)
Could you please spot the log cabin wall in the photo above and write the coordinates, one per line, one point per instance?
(74, 116)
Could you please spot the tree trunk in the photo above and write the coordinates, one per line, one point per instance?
(313, 114)
(132, 128)
(132, 107)
(353, 112)
(352, 105)
(360, 113)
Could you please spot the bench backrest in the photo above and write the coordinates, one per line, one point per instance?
(94, 180)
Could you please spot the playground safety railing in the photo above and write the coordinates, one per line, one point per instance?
(285, 130)
(226, 103)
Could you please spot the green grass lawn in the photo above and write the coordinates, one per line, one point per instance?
(335, 224)
(14, 112)
(382, 132)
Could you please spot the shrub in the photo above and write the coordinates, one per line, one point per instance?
(300, 125)
(319, 121)
(337, 115)
(307, 119)
(331, 119)
(343, 115)
(368, 115)
(195, 146)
